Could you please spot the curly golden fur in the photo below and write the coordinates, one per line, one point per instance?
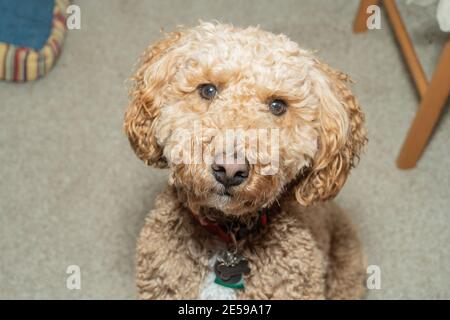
(309, 250)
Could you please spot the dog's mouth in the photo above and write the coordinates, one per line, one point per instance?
(233, 200)
(225, 193)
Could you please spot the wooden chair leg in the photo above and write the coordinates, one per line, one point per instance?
(428, 113)
(360, 23)
(407, 47)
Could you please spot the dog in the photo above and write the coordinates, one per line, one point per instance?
(261, 227)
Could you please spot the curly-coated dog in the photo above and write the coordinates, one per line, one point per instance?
(245, 219)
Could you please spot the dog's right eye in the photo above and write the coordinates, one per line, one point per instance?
(207, 91)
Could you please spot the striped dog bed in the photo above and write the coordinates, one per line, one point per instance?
(31, 37)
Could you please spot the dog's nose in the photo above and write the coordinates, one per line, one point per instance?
(230, 174)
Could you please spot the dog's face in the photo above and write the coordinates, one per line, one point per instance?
(241, 116)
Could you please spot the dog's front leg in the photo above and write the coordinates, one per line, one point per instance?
(288, 266)
(166, 268)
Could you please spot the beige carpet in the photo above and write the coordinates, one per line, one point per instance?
(72, 191)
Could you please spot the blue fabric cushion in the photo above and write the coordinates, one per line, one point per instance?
(26, 23)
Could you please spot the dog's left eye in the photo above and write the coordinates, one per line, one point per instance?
(277, 107)
(208, 91)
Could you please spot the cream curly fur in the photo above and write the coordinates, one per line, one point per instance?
(309, 250)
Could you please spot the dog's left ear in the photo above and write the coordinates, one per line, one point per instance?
(341, 137)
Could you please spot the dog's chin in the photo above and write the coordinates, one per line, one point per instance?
(228, 206)
(231, 204)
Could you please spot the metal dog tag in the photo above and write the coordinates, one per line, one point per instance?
(229, 270)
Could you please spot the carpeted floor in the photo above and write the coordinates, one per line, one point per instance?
(72, 191)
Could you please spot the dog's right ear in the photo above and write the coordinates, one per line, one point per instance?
(156, 67)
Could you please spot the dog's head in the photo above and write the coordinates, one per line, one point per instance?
(241, 116)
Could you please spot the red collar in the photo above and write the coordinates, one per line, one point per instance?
(226, 231)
